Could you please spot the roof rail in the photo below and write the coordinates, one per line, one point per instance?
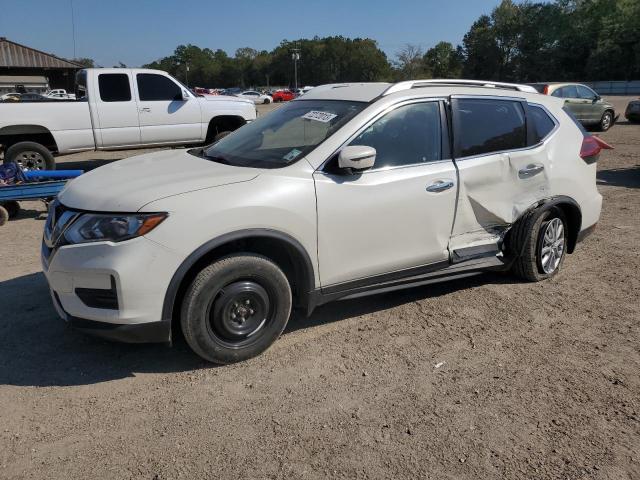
(407, 85)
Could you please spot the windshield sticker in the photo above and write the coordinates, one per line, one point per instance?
(324, 117)
(292, 155)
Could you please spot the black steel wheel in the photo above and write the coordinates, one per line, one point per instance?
(236, 308)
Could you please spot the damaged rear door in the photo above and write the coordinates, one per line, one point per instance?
(500, 174)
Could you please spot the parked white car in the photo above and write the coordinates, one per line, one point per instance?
(115, 109)
(60, 93)
(257, 97)
(351, 190)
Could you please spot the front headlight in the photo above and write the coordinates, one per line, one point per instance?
(98, 227)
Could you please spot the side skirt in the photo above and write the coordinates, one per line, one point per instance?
(411, 278)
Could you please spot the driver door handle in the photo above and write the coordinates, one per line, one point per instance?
(440, 186)
(145, 110)
(530, 170)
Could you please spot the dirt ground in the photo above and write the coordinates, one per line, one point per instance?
(483, 378)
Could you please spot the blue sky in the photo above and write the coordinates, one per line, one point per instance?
(139, 31)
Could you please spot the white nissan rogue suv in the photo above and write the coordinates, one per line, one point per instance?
(349, 190)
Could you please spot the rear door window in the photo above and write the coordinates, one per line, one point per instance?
(153, 87)
(586, 93)
(483, 126)
(570, 91)
(114, 87)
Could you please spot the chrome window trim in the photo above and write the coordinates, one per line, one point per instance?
(513, 99)
(375, 118)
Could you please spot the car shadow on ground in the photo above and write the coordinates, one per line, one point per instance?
(39, 350)
(31, 213)
(356, 307)
(620, 177)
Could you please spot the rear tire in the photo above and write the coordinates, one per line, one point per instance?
(542, 240)
(606, 121)
(236, 308)
(30, 156)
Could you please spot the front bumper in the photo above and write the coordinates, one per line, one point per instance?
(113, 290)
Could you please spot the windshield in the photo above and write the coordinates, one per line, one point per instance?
(284, 135)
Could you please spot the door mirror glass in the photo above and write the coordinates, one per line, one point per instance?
(357, 157)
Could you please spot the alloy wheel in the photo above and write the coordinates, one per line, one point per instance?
(31, 160)
(553, 243)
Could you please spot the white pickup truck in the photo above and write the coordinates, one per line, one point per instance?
(116, 109)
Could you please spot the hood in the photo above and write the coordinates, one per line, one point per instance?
(127, 185)
(226, 98)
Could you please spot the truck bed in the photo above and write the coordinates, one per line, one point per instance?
(68, 120)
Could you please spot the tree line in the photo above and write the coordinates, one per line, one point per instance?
(560, 40)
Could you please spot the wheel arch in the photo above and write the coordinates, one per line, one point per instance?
(284, 250)
(571, 210)
(223, 123)
(12, 134)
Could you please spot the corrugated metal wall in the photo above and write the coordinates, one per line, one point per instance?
(616, 87)
(15, 55)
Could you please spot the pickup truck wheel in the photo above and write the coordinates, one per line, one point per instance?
(236, 308)
(221, 135)
(606, 121)
(12, 207)
(543, 238)
(30, 156)
(4, 215)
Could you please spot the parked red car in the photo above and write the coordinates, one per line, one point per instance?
(283, 96)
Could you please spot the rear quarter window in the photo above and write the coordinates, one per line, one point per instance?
(541, 122)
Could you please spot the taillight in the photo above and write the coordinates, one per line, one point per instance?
(546, 90)
(591, 148)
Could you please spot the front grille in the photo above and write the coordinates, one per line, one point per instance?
(58, 219)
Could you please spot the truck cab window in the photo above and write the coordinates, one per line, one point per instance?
(114, 87)
(152, 87)
(81, 85)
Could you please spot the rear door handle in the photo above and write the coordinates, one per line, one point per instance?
(530, 170)
(145, 110)
(440, 186)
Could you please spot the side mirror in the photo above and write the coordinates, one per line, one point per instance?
(357, 157)
(185, 96)
(596, 98)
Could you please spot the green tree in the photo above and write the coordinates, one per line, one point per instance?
(443, 61)
(481, 52)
